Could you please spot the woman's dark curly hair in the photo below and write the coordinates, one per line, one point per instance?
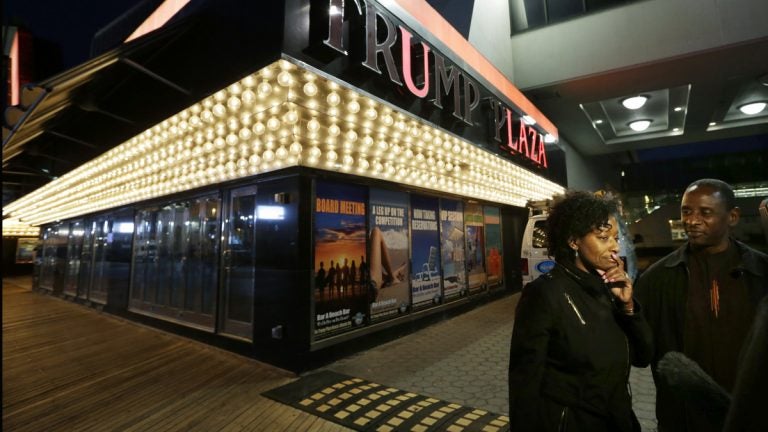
(573, 216)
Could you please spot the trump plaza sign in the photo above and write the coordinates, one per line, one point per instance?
(392, 49)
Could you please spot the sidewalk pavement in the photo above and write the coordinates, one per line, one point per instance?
(464, 360)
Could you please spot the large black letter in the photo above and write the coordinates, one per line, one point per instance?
(469, 104)
(444, 82)
(499, 118)
(374, 48)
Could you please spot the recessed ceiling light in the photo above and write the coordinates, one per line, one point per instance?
(678, 109)
(640, 125)
(712, 123)
(634, 102)
(598, 121)
(752, 108)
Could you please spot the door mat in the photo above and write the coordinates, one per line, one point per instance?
(370, 407)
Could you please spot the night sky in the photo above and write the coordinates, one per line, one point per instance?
(68, 23)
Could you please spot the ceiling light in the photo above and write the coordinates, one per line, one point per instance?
(712, 123)
(634, 102)
(752, 108)
(675, 129)
(598, 121)
(640, 125)
(678, 109)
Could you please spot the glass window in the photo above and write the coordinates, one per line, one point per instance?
(74, 252)
(175, 269)
(540, 234)
(559, 10)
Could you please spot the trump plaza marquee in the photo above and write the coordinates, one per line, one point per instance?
(362, 173)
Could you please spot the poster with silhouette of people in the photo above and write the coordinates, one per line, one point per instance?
(452, 249)
(475, 251)
(426, 283)
(341, 268)
(388, 253)
(493, 250)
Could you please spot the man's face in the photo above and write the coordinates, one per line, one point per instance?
(706, 220)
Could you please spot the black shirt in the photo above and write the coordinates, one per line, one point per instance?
(718, 314)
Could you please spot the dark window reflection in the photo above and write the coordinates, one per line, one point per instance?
(175, 259)
(531, 14)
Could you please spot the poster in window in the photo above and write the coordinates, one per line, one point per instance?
(25, 250)
(388, 253)
(475, 251)
(493, 250)
(452, 249)
(341, 296)
(425, 252)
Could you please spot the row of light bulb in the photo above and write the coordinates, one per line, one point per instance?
(279, 117)
(15, 228)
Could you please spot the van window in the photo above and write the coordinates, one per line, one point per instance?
(540, 234)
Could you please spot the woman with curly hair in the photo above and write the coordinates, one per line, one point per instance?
(577, 328)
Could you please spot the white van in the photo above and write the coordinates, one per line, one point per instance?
(533, 253)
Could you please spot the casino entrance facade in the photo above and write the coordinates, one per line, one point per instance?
(346, 172)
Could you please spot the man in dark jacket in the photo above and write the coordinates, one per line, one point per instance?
(701, 299)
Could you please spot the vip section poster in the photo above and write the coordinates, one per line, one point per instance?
(493, 251)
(452, 249)
(388, 257)
(475, 251)
(425, 252)
(340, 268)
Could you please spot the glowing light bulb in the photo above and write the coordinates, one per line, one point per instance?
(333, 99)
(264, 89)
(310, 89)
(273, 124)
(248, 97)
(295, 148)
(353, 107)
(313, 125)
(234, 103)
(284, 78)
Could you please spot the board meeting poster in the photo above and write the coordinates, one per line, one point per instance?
(493, 249)
(388, 253)
(475, 250)
(426, 282)
(341, 296)
(452, 249)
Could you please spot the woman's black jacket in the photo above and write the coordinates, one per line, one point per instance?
(570, 356)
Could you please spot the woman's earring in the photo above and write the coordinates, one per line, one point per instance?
(576, 253)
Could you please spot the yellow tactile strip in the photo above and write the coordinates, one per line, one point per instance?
(367, 406)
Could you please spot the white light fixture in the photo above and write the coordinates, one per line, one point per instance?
(634, 102)
(675, 129)
(678, 109)
(598, 121)
(752, 108)
(639, 125)
(712, 123)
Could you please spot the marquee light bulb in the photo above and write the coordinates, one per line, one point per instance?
(284, 78)
(264, 89)
(310, 89)
(333, 99)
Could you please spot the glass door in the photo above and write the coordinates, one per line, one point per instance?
(238, 264)
(74, 252)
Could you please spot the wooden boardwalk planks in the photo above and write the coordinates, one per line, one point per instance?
(67, 367)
